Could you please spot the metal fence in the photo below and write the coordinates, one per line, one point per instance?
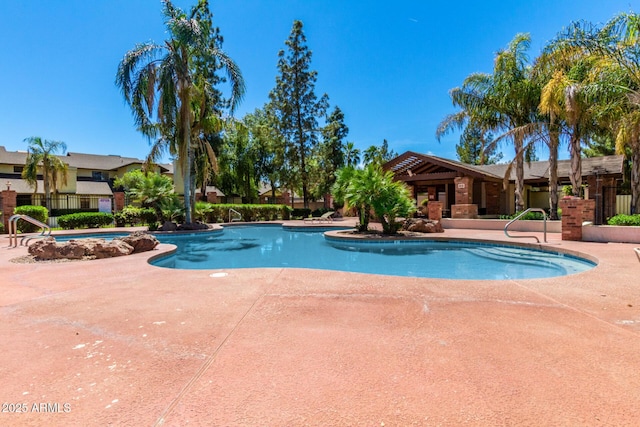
(623, 204)
(68, 203)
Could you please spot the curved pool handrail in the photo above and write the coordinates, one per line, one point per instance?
(637, 250)
(544, 218)
(13, 228)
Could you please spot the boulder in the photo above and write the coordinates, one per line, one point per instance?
(49, 249)
(420, 225)
(100, 248)
(140, 241)
(169, 226)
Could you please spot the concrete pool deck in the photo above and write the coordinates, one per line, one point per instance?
(120, 342)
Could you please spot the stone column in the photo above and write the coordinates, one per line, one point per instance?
(9, 199)
(435, 211)
(464, 207)
(575, 211)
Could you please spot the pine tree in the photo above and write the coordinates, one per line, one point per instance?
(475, 148)
(296, 108)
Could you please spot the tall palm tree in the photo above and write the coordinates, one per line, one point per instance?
(503, 102)
(41, 157)
(164, 80)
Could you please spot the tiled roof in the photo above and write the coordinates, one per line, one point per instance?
(81, 160)
(605, 165)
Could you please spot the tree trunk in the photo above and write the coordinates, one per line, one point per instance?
(519, 191)
(575, 175)
(635, 179)
(554, 142)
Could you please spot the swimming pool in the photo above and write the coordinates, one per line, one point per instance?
(272, 246)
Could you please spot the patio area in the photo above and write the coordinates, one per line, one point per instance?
(120, 342)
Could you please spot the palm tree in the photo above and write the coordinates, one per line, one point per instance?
(351, 155)
(164, 80)
(41, 156)
(503, 102)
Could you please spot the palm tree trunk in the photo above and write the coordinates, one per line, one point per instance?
(635, 179)
(554, 142)
(519, 191)
(575, 175)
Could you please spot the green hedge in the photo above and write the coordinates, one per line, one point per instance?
(621, 219)
(36, 212)
(85, 219)
(212, 213)
(134, 216)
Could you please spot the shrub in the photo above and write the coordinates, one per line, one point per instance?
(85, 219)
(621, 219)
(39, 213)
(212, 213)
(1, 228)
(133, 216)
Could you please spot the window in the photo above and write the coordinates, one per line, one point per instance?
(100, 176)
(18, 169)
(85, 203)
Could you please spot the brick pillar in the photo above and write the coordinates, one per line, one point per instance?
(431, 191)
(118, 200)
(435, 211)
(286, 198)
(575, 211)
(464, 190)
(212, 197)
(9, 198)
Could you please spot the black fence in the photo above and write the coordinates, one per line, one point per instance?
(62, 204)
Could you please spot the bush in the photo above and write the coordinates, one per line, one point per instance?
(85, 219)
(39, 213)
(212, 213)
(1, 228)
(621, 219)
(529, 216)
(133, 216)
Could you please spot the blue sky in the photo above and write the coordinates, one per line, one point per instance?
(387, 64)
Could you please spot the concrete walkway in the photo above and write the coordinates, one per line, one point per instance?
(119, 342)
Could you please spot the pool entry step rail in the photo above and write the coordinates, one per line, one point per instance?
(544, 218)
(13, 229)
(237, 215)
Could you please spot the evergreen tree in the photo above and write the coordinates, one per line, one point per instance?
(330, 155)
(475, 148)
(297, 109)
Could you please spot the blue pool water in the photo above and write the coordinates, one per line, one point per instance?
(273, 246)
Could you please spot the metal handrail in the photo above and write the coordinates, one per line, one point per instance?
(237, 213)
(13, 228)
(544, 217)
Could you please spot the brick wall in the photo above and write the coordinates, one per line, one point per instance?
(575, 211)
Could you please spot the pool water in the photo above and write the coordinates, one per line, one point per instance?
(273, 246)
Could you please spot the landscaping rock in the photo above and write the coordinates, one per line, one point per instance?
(101, 248)
(49, 249)
(168, 226)
(420, 225)
(140, 241)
